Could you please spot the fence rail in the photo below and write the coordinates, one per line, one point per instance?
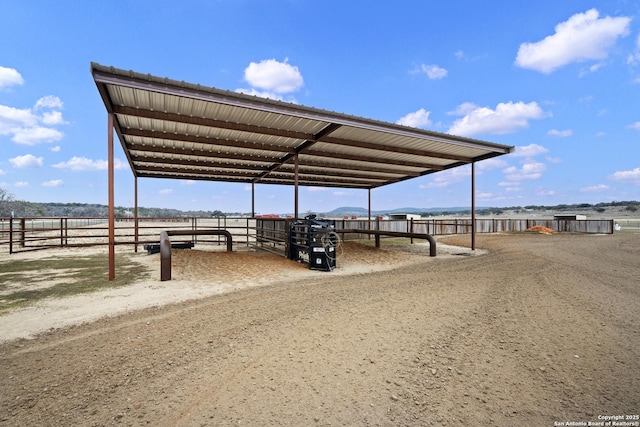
(25, 234)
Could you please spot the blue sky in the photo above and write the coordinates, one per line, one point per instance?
(559, 80)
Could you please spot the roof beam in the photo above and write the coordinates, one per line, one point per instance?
(137, 159)
(301, 148)
(338, 172)
(322, 136)
(247, 176)
(394, 148)
(204, 121)
(345, 166)
(179, 151)
(368, 159)
(163, 136)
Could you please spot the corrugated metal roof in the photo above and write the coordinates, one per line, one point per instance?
(172, 129)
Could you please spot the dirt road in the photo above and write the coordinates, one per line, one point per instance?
(542, 329)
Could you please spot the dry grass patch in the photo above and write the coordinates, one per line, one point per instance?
(24, 282)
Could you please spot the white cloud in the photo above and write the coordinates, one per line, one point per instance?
(434, 72)
(165, 191)
(630, 176)
(490, 164)
(448, 177)
(13, 117)
(55, 149)
(591, 69)
(52, 118)
(35, 135)
(53, 183)
(635, 126)
(416, 119)
(598, 188)
(530, 150)
(84, 164)
(342, 194)
(506, 118)
(10, 77)
(484, 195)
(545, 192)
(560, 133)
(21, 184)
(2, 172)
(584, 36)
(463, 109)
(274, 76)
(635, 57)
(510, 187)
(31, 126)
(26, 161)
(528, 171)
(49, 101)
(452, 176)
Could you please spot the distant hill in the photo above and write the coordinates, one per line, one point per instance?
(30, 209)
(360, 212)
(622, 208)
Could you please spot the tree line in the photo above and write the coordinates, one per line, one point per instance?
(21, 208)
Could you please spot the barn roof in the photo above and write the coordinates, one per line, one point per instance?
(174, 129)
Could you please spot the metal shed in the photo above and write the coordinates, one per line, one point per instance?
(174, 129)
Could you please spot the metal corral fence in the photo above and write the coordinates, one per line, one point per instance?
(24, 234)
(27, 234)
(438, 227)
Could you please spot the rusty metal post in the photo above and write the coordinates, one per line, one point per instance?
(473, 206)
(295, 201)
(369, 217)
(135, 212)
(411, 228)
(253, 200)
(165, 257)
(112, 215)
(23, 231)
(11, 235)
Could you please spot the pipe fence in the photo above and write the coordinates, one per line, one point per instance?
(27, 234)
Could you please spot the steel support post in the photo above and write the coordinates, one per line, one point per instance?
(473, 206)
(295, 191)
(112, 216)
(369, 218)
(253, 200)
(135, 212)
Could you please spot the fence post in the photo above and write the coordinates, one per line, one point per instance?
(411, 229)
(165, 257)
(23, 226)
(10, 235)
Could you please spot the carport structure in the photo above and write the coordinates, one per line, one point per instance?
(179, 130)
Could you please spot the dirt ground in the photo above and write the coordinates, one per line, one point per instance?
(539, 330)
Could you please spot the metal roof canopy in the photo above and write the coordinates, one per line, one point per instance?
(172, 129)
